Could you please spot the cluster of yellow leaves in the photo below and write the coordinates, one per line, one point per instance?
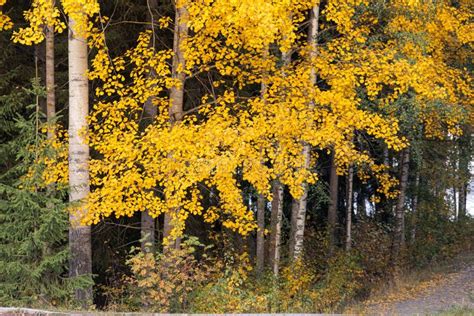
(42, 14)
(5, 22)
(79, 13)
(238, 272)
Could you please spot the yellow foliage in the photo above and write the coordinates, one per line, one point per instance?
(162, 281)
(163, 167)
(42, 14)
(5, 22)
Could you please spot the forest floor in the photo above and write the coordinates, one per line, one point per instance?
(440, 290)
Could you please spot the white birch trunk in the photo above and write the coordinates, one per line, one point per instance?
(298, 214)
(79, 235)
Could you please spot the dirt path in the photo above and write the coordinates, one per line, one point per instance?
(441, 292)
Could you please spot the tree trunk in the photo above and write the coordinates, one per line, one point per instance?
(50, 102)
(298, 216)
(147, 232)
(80, 263)
(177, 93)
(399, 237)
(50, 85)
(147, 222)
(275, 226)
(415, 207)
(298, 209)
(462, 201)
(465, 157)
(350, 178)
(260, 233)
(332, 211)
(455, 201)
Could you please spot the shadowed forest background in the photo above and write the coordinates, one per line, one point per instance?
(222, 156)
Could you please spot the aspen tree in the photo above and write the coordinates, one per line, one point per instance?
(147, 222)
(298, 216)
(80, 262)
(177, 90)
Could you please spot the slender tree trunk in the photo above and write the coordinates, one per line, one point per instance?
(295, 205)
(50, 103)
(465, 157)
(147, 222)
(177, 92)
(275, 226)
(147, 232)
(298, 216)
(260, 232)
(332, 211)
(399, 237)
(415, 207)
(350, 178)
(298, 209)
(50, 85)
(455, 201)
(79, 235)
(462, 201)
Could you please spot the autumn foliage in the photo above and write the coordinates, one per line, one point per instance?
(266, 100)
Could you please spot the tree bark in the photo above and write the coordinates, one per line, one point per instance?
(462, 201)
(177, 92)
(298, 216)
(350, 178)
(399, 237)
(332, 211)
(299, 206)
(455, 200)
(465, 157)
(80, 263)
(260, 233)
(50, 85)
(275, 225)
(147, 222)
(415, 207)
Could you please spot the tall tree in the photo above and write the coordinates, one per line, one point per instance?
(177, 90)
(298, 212)
(147, 222)
(79, 234)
